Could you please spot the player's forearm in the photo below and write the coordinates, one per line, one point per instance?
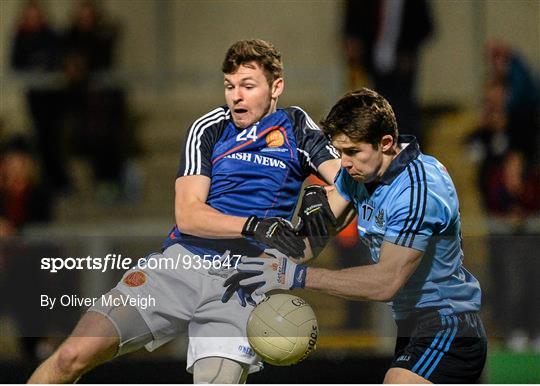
(340, 207)
(359, 283)
(201, 220)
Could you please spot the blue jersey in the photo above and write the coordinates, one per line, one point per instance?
(415, 205)
(258, 170)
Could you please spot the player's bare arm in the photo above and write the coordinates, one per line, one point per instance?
(341, 208)
(381, 171)
(328, 170)
(378, 282)
(195, 217)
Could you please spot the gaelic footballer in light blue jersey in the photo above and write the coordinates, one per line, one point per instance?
(408, 215)
(415, 205)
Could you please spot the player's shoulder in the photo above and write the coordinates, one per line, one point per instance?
(432, 164)
(411, 184)
(424, 169)
(437, 176)
(206, 130)
(425, 184)
(214, 117)
(222, 110)
(300, 119)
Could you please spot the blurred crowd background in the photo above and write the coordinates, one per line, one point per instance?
(96, 96)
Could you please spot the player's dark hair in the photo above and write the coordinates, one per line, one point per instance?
(256, 50)
(363, 116)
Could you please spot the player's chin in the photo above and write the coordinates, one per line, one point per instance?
(358, 177)
(242, 122)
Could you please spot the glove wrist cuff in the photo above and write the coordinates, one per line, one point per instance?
(250, 226)
(299, 279)
(315, 188)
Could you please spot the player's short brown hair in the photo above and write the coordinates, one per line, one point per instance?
(256, 50)
(363, 116)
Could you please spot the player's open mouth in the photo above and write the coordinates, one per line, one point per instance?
(240, 111)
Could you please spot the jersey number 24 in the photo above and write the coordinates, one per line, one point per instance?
(245, 135)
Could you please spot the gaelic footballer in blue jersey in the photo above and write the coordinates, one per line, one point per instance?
(408, 214)
(241, 170)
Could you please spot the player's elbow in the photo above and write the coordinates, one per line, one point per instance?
(184, 219)
(380, 294)
(384, 295)
(182, 225)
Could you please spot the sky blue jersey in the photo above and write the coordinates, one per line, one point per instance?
(258, 170)
(415, 205)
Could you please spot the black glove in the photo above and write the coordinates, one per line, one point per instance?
(244, 293)
(315, 214)
(275, 232)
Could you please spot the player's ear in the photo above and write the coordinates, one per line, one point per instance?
(387, 142)
(277, 87)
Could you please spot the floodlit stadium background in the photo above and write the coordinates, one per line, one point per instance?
(168, 60)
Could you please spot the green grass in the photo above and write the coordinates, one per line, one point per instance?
(510, 367)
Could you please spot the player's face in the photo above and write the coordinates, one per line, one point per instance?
(249, 96)
(360, 159)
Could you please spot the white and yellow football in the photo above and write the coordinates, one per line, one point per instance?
(283, 329)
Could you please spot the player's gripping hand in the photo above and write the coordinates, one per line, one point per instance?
(275, 232)
(244, 294)
(226, 269)
(316, 215)
(258, 275)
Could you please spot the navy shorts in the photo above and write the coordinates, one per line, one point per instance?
(442, 349)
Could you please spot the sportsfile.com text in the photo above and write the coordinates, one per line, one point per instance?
(116, 262)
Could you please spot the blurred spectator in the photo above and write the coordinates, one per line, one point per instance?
(383, 38)
(509, 120)
(514, 189)
(36, 45)
(521, 97)
(36, 49)
(96, 112)
(24, 198)
(490, 142)
(506, 144)
(89, 41)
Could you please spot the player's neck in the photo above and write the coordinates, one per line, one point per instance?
(388, 157)
(272, 108)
